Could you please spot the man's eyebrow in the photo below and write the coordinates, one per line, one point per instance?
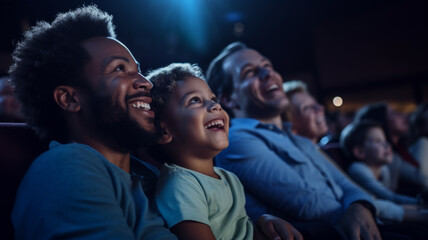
(110, 59)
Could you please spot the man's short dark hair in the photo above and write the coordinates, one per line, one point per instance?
(355, 134)
(51, 55)
(219, 81)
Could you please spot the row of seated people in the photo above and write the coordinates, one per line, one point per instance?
(371, 149)
(282, 173)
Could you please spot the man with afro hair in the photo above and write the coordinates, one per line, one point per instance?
(83, 90)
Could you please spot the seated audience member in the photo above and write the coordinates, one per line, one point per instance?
(196, 199)
(365, 142)
(406, 173)
(282, 173)
(10, 107)
(419, 136)
(82, 88)
(306, 114)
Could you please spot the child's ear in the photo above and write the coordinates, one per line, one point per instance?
(66, 98)
(228, 101)
(166, 136)
(358, 152)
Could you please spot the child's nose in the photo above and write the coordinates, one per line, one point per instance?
(215, 106)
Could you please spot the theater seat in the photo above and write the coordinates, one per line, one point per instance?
(19, 146)
(336, 153)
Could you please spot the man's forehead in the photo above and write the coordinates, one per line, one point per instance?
(241, 58)
(100, 45)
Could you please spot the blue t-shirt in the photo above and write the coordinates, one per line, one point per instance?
(73, 192)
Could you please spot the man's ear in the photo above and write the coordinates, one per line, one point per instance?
(66, 98)
(166, 135)
(228, 101)
(358, 152)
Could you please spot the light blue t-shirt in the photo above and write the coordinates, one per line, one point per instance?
(362, 174)
(73, 192)
(183, 194)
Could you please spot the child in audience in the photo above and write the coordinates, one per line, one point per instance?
(197, 200)
(366, 143)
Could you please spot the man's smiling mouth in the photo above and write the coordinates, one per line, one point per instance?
(141, 105)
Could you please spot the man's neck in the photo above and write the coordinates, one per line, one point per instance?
(277, 121)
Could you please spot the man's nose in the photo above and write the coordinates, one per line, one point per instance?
(264, 73)
(142, 83)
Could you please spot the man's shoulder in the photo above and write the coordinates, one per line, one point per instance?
(243, 124)
(67, 158)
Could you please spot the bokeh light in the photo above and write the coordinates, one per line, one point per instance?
(337, 101)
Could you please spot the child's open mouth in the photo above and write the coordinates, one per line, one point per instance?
(216, 124)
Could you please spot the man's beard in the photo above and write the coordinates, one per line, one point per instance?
(125, 131)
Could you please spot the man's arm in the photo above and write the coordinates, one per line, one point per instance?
(357, 223)
(275, 228)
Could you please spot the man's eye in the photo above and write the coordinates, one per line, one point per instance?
(194, 100)
(249, 73)
(119, 68)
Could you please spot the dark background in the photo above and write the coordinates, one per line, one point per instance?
(364, 51)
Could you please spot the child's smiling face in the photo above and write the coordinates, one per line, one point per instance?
(195, 119)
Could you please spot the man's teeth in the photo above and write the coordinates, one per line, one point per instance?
(218, 123)
(142, 105)
(272, 87)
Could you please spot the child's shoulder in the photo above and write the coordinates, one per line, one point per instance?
(227, 175)
(175, 174)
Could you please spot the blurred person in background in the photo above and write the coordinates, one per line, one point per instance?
(419, 136)
(365, 143)
(306, 114)
(406, 173)
(10, 107)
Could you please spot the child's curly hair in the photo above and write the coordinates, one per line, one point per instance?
(165, 80)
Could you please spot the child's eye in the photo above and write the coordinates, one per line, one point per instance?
(215, 99)
(194, 100)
